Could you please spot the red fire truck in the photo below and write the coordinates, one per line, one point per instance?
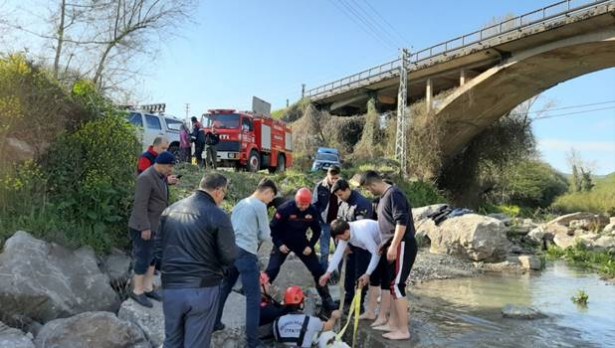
(250, 141)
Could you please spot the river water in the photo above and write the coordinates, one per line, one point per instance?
(466, 312)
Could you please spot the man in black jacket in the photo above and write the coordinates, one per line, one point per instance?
(289, 233)
(198, 244)
(327, 204)
(198, 138)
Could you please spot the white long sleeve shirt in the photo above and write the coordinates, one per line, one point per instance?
(364, 234)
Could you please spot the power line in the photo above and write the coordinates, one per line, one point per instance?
(566, 107)
(394, 30)
(369, 17)
(572, 113)
(362, 22)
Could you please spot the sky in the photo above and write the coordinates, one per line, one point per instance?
(235, 49)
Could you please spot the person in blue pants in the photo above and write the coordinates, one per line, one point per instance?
(251, 226)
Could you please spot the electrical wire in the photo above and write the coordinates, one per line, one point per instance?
(571, 113)
(351, 14)
(393, 29)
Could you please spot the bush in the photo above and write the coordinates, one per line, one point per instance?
(91, 175)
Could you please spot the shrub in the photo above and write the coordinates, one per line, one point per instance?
(601, 199)
(91, 176)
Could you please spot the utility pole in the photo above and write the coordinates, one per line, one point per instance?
(188, 113)
(401, 147)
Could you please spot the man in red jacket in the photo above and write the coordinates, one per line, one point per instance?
(148, 158)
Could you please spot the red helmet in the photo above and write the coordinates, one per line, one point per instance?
(303, 196)
(294, 296)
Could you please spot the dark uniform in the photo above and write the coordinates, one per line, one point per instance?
(355, 208)
(289, 227)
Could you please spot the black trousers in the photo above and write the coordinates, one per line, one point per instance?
(356, 266)
(198, 153)
(277, 258)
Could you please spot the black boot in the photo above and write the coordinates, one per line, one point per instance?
(327, 302)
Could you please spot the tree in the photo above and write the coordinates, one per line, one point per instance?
(131, 24)
(581, 172)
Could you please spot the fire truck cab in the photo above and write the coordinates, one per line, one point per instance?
(249, 141)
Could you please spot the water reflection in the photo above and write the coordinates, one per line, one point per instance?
(467, 312)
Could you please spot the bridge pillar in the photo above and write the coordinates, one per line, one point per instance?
(429, 95)
(462, 77)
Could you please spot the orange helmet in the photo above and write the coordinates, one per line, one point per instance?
(294, 296)
(303, 196)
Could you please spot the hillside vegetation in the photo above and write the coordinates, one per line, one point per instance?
(601, 199)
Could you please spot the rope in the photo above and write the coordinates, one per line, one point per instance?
(355, 309)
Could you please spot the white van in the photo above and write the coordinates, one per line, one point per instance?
(153, 125)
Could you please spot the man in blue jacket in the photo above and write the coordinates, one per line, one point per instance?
(289, 233)
(326, 204)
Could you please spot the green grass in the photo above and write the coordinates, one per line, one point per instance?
(581, 298)
(601, 199)
(601, 261)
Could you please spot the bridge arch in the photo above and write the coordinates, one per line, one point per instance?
(490, 95)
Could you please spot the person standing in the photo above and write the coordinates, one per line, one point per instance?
(151, 198)
(327, 205)
(353, 207)
(399, 246)
(198, 138)
(148, 158)
(184, 144)
(211, 141)
(197, 245)
(251, 226)
(289, 233)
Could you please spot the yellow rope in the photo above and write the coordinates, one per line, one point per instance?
(355, 309)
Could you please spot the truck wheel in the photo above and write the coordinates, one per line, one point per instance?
(254, 162)
(281, 164)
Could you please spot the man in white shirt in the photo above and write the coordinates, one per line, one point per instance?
(364, 234)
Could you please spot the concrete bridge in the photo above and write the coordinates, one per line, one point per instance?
(490, 71)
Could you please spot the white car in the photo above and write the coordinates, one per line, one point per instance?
(152, 126)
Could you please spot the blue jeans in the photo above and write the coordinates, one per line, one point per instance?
(189, 316)
(325, 243)
(245, 265)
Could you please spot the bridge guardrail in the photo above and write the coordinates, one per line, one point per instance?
(479, 38)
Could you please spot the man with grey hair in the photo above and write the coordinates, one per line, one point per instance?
(147, 159)
(197, 246)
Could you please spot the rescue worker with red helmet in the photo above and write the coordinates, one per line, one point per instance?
(289, 233)
(297, 329)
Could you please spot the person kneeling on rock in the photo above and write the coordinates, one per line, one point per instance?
(296, 329)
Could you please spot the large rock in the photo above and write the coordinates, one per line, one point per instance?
(532, 262)
(521, 312)
(91, 329)
(610, 228)
(605, 242)
(13, 338)
(117, 266)
(149, 320)
(586, 221)
(537, 235)
(45, 281)
(473, 236)
(564, 241)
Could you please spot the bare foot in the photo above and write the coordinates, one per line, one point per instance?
(385, 327)
(379, 322)
(397, 335)
(367, 316)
